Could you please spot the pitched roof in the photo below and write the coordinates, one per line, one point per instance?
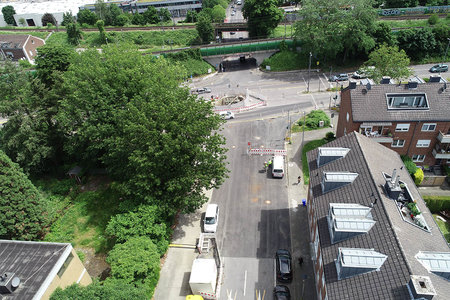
(412, 238)
(390, 281)
(11, 41)
(32, 262)
(372, 104)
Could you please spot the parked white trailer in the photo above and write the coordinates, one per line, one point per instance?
(204, 278)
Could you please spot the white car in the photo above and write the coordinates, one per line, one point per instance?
(233, 13)
(226, 115)
(211, 218)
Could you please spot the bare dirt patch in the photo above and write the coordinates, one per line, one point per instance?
(95, 264)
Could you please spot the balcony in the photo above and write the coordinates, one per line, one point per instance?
(441, 153)
(380, 138)
(443, 138)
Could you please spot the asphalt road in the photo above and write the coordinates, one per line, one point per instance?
(238, 17)
(254, 211)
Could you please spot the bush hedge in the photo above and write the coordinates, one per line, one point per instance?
(313, 119)
(409, 164)
(418, 176)
(437, 203)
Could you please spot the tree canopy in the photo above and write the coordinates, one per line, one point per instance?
(263, 16)
(417, 43)
(204, 27)
(23, 212)
(85, 16)
(336, 27)
(388, 61)
(159, 142)
(8, 13)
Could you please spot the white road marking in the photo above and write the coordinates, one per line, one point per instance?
(314, 100)
(245, 281)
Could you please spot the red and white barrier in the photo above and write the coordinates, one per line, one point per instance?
(264, 151)
(208, 295)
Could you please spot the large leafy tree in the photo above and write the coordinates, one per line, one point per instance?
(388, 61)
(164, 14)
(146, 220)
(151, 15)
(128, 112)
(136, 262)
(263, 16)
(204, 27)
(336, 27)
(110, 289)
(383, 35)
(8, 12)
(112, 12)
(85, 16)
(48, 18)
(218, 13)
(400, 3)
(22, 210)
(417, 43)
(68, 18)
(51, 61)
(73, 33)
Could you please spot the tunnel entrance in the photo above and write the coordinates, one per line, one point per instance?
(236, 63)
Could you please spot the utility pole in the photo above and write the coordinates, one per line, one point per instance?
(309, 69)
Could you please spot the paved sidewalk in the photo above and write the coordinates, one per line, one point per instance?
(174, 277)
(443, 190)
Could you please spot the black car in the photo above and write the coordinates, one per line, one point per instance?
(281, 292)
(283, 262)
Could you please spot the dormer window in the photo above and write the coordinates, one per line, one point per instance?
(407, 101)
(355, 261)
(335, 180)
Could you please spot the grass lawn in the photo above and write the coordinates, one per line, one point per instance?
(444, 227)
(412, 23)
(286, 61)
(308, 147)
(281, 31)
(83, 222)
(38, 34)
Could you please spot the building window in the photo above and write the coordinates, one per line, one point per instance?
(418, 157)
(402, 127)
(32, 41)
(407, 101)
(65, 265)
(348, 117)
(423, 143)
(398, 143)
(429, 127)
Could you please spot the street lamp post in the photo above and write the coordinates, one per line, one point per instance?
(309, 69)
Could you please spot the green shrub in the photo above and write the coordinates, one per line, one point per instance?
(433, 19)
(437, 203)
(409, 164)
(81, 255)
(313, 119)
(329, 136)
(418, 176)
(413, 208)
(25, 64)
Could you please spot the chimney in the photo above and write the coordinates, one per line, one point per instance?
(421, 287)
(412, 85)
(435, 78)
(386, 80)
(396, 181)
(393, 175)
(352, 85)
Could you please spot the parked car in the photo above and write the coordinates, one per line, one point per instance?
(204, 90)
(281, 292)
(211, 218)
(226, 115)
(233, 13)
(283, 263)
(359, 75)
(439, 68)
(340, 77)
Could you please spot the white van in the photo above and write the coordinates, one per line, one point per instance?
(278, 166)
(211, 218)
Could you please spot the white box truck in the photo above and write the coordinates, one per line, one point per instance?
(203, 278)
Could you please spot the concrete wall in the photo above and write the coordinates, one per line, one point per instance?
(37, 18)
(75, 272)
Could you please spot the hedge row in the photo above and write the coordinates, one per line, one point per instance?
(437, 203)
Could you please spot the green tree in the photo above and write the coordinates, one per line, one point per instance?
(102, 33)
(164, 14)
(73, 33)
(51, 61)
(112, 12)
(441, 32)
(68, 18)
(101, 9)
(133, 124)
(151, 15)
(136, 262)
(218, 13)
(138, 19)
(191, 16)
(418, 176)
(329, 28)
(433, 19)
(417, 43)
(85, 16)
(111, 289)
(48, 18)
(8, 12)
(204, 27)
(388, 61)
(22, 21)
(122, 20)
(146, 220)
(263, 16)
(383, 35)
(22, 209)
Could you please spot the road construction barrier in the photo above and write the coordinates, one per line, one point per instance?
(264, 151)
(242, 108)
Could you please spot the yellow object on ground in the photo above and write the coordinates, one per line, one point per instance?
(191, 297)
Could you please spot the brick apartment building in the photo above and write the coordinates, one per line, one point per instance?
(412, 119)
(19, 46)
(365, 241)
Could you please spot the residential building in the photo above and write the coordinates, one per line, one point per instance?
(19, 46)
(33, 270)
(176, 7)
(412, 119)
(372, 236)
